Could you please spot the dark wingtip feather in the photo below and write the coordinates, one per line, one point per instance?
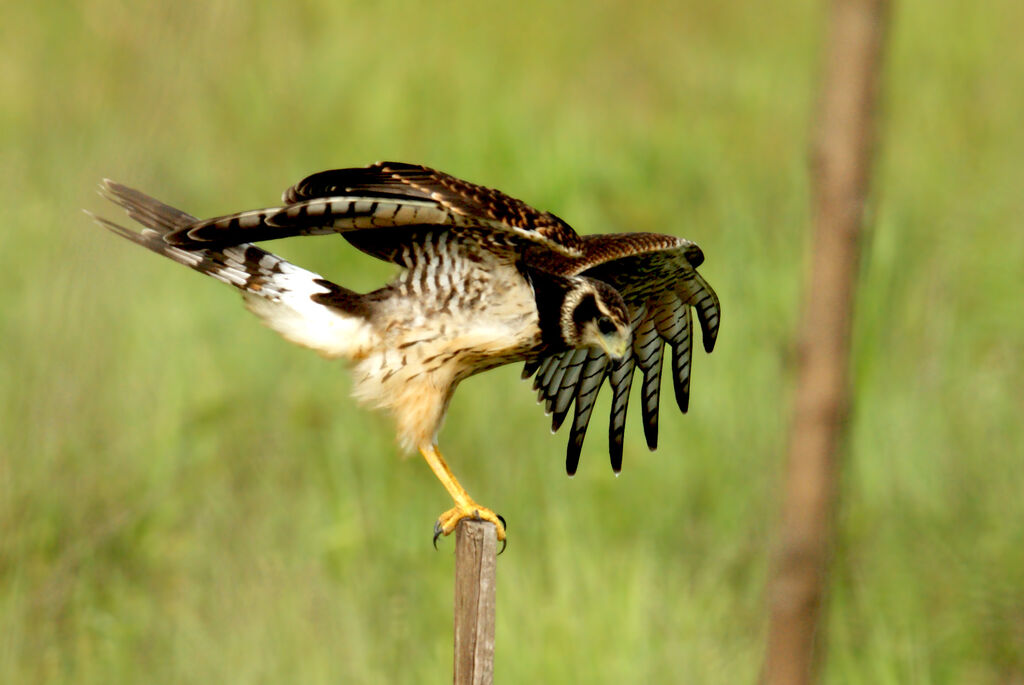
(709, 312)
(710, 332)
(144, 209)
(615, 455)
(530, 368)
(572, 454)
(112, 227)
(681, 360)
(682, 398)
(651, 432)
(557, 419)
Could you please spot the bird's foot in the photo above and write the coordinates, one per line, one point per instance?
(450, 519)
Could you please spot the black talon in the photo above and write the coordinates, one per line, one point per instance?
(504, 543)
(437, 532)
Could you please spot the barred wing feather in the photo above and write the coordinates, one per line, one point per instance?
(383, 195)
(660, 285)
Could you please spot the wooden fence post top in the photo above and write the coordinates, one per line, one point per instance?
(476, 551)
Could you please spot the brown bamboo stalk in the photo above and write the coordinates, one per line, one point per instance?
(841, 167)
(476, 550)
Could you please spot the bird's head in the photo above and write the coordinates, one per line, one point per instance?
(594, 315)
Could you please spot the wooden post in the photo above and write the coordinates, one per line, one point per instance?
(476, 551)
(841, 170)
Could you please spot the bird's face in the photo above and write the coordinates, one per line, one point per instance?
(594, 315)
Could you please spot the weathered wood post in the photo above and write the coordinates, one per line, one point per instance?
(476, 552)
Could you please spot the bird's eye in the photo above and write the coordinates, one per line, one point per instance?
(605, 325)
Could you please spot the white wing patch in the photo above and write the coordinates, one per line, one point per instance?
(288, 309)
(275, 290)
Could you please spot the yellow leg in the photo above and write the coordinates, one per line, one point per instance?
(464, 507)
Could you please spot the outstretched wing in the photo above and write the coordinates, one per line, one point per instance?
(383, 195)
(657, 277)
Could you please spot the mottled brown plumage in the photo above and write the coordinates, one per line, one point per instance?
(397, 179)
(485, 280)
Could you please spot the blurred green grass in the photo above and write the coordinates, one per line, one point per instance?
(186, 498)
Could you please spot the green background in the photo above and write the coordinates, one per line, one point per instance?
(185, 497)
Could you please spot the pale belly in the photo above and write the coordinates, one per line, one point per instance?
(422, 357)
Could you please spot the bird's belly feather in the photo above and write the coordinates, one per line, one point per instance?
(421, 359)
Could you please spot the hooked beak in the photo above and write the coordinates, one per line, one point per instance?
(614, 345)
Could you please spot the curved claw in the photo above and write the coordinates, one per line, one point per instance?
(438, 531)
(504, 541)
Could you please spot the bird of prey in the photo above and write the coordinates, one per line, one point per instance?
(484, 280)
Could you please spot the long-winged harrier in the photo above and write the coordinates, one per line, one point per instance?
(485, 280)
